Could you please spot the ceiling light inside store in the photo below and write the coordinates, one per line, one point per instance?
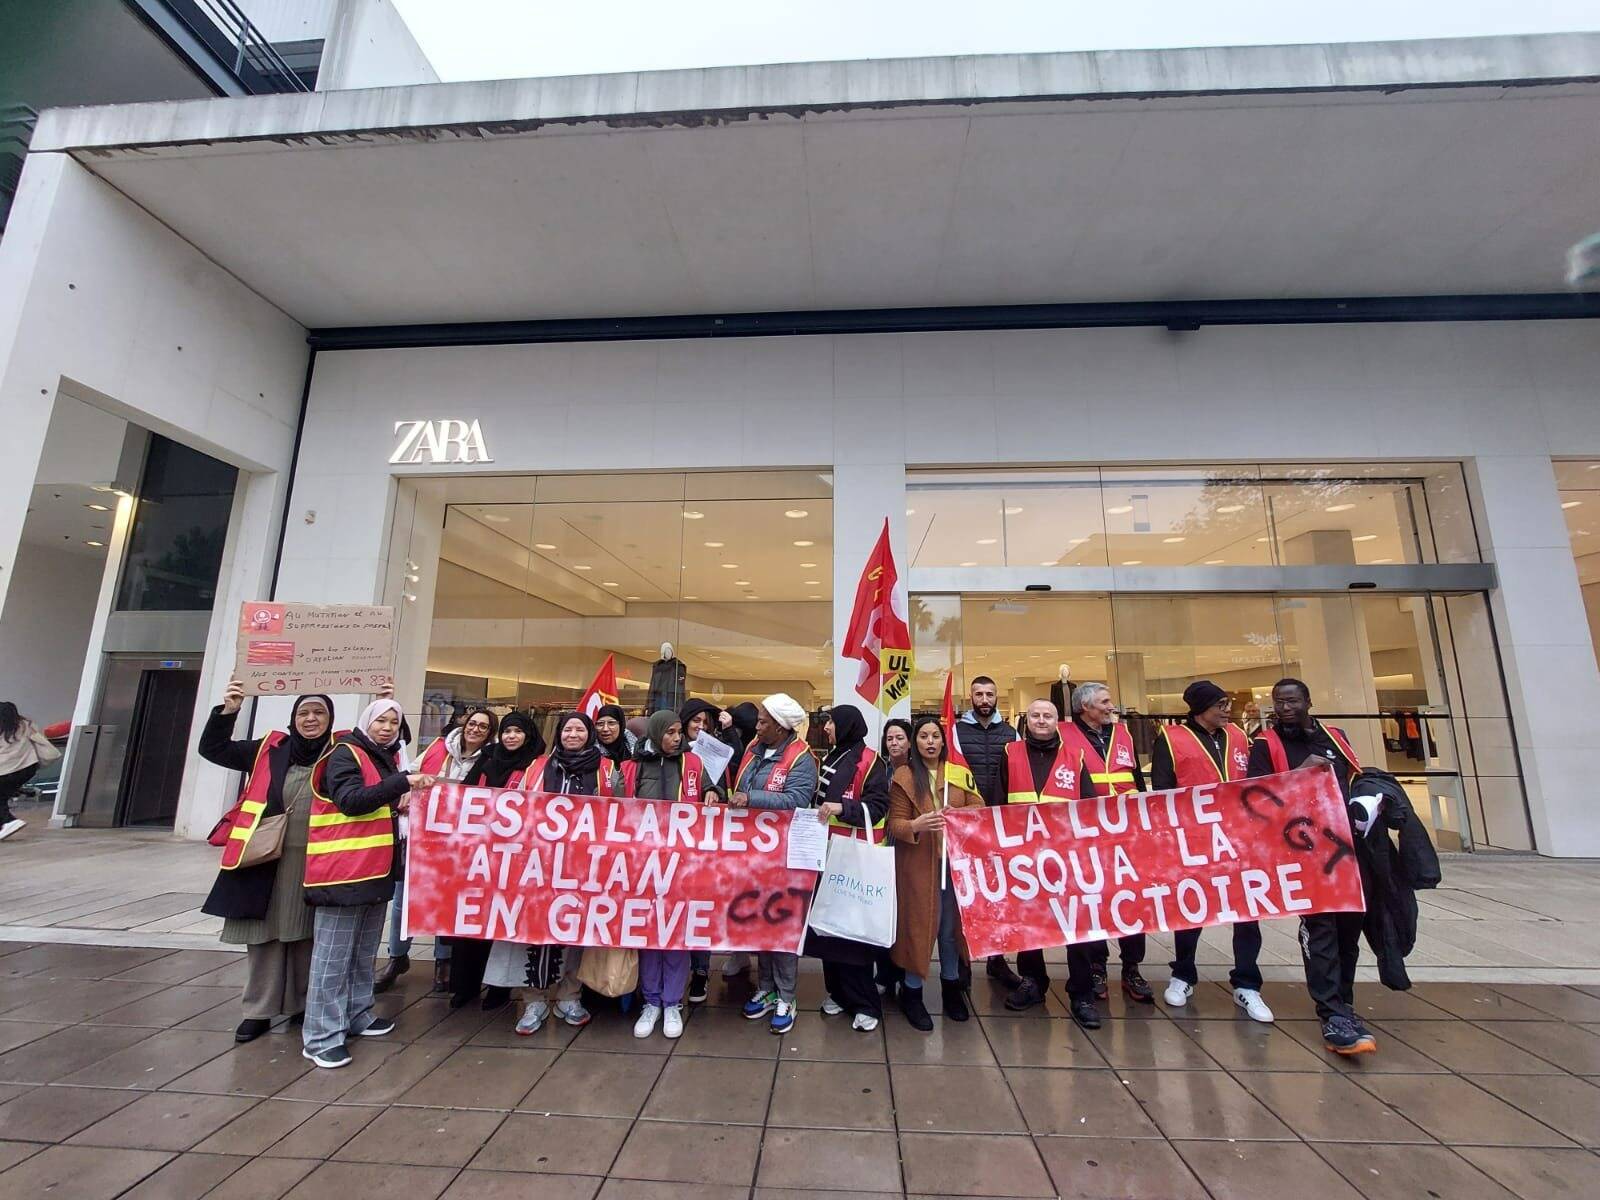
(1047, 562)
(1173, 541)
(794, 514)
(1365, 537)
(582, 567)
(741, 583)
(715, 545)
(987, 541)
(94, 543)
(911, 512)
(1215, 562)
(730, 566)
(813, 597)
(610, 583)
(1014, 510)
(1339, 508)
(1118, 509)
(1076, 541)
(1383, 560)
(692, 515)
(694, 598)
(813, 583)
(1133, 562)
(98, 507)
(630, 597)
(807, 566)
(969, 564)
(1571, 503)
(1230, 508)
(497, 518)
(803, 544)
(544, 546)
(1263, 539)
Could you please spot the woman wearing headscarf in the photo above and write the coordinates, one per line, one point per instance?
(358, 790)
(504, 764)
(451, 757)
(852, 793)
(263, 907)
(611, 733)
(546, 974)
(701, 716)
(918, 795)
(895, 746)
(662, 770)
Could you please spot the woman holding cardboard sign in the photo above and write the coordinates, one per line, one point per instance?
(918, 795)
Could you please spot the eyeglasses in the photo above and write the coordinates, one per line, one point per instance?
(481, 726)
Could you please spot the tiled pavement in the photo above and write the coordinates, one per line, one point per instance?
(119, 1077)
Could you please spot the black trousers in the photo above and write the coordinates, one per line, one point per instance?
(852, 988)
(1030, 965)
(12, 784)
(1130, 950)
(468, 958)
(1330, 945)
(1246, 951)
(1080, 974)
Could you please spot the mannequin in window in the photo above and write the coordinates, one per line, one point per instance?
(668, 680)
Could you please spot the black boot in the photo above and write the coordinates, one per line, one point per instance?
(1025, 995)
(441, 977)
(392, 970)
(915, 1010)
(250, 1029)
(1086, 1013)
(1000, 969)
(495, 997)
(955, 1001)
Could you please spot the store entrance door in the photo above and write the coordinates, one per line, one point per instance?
(143, 721)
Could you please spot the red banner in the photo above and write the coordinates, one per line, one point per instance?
(584, 871)
(1032, 875)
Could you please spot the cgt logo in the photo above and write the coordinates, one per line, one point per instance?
(446, 441)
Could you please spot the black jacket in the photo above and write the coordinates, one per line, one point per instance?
(343, 785)
(244, 893)
(1391, 876)
(874, 799)
(985, 750)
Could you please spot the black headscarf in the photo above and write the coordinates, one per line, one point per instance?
(497, 765)
(744, 720)
(575, 772)
(692, 707)
(304, 751)
(839, 765)
(616, 751)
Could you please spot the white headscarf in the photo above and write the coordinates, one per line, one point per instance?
(373, 711)
(784, 709)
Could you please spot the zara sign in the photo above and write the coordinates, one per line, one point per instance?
(444, 441)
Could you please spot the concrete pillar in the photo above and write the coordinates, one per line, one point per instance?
(1543, 634)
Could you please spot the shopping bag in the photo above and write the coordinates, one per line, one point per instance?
(855, 897)
(609, 970)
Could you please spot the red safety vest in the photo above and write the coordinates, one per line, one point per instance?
(1065, 781)
(345, 849)
(252, 801)
(1280, 758)
(780, 772)
(838, 828)
(535, 772)
(1192, 762)
(691, 778)
(1111, 778)
(434, 758)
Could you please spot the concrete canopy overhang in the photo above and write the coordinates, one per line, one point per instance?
(1419, 168)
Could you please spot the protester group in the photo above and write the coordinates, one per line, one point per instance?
(314, 853)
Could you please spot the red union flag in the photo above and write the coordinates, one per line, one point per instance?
(1034, 875)
(956, 769)
(602, 691)
(878, 636)
(588, 871)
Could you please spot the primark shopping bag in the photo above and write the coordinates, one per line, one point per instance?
(855, 897)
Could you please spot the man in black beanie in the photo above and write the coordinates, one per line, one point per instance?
(1208, 748)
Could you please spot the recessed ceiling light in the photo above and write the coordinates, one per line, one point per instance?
(1571, 503)
(1076, 541)
(98, 507)
(610, 583)
(630, 597)
(691, 597)
(1119, 509)
(582, 567)
(794, 514)
(544, 546)
(692, 515)
(1365, 537)
(808, 565)
(1173, 541)
(1013, 510)
(93, 543)
(1263, 539)
(1215, 562)
(813, 583)
(987, 541)
(969, 564)
(715, 545)
(1047, 562)
(911, 512)
(1383, 560)
(730, 566)
(497, 518)
(805, 543)
(1339, 508)
(741, 583)
(813, 597)
(1230, 508)
(1132, 562)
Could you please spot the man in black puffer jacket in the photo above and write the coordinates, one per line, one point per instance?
(983, 736)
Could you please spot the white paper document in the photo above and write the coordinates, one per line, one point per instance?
(713, 753)
(808, 841)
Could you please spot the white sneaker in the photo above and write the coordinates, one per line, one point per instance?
(1178, 993)
(573, 1012)
(865, 1022)
(11, 827)
(831, 1007)
(1250, 1000)
(533, 1017)
(735, 965)
(671, 1021)
(646, 1024)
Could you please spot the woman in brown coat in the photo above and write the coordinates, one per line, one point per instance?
(927, 912)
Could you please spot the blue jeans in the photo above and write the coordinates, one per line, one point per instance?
(949, 949)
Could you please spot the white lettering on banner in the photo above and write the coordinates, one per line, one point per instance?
(443, 441)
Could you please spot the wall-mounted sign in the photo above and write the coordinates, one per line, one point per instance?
(444, 441)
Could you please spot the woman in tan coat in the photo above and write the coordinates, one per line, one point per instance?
(927, 913)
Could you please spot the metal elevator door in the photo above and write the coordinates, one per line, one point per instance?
(144, 716)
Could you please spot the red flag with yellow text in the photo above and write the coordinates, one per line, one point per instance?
(603, 690)
(956, 771)
(878, 636)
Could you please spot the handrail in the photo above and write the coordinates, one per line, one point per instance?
(252, 45)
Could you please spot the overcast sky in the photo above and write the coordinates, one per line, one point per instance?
(498, 39)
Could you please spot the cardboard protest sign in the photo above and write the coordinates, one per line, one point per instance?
(1033, 875)
(290, 649)
(587, 871)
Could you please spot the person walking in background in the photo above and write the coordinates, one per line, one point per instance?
(661, 770)
(778, 772)
(1208, 748)
(263, 906)
(20, 747)
(852, 793)
(927, 911)
(450, 758)
(357, 790)
(984, 736)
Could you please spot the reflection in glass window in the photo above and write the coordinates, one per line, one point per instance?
(1580, 505)
(180, 525)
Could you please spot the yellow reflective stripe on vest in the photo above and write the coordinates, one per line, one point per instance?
(1113, 777)
(323, 819)
(360, 843)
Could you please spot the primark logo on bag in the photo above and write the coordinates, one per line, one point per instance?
(439, 442)
(856, 886)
